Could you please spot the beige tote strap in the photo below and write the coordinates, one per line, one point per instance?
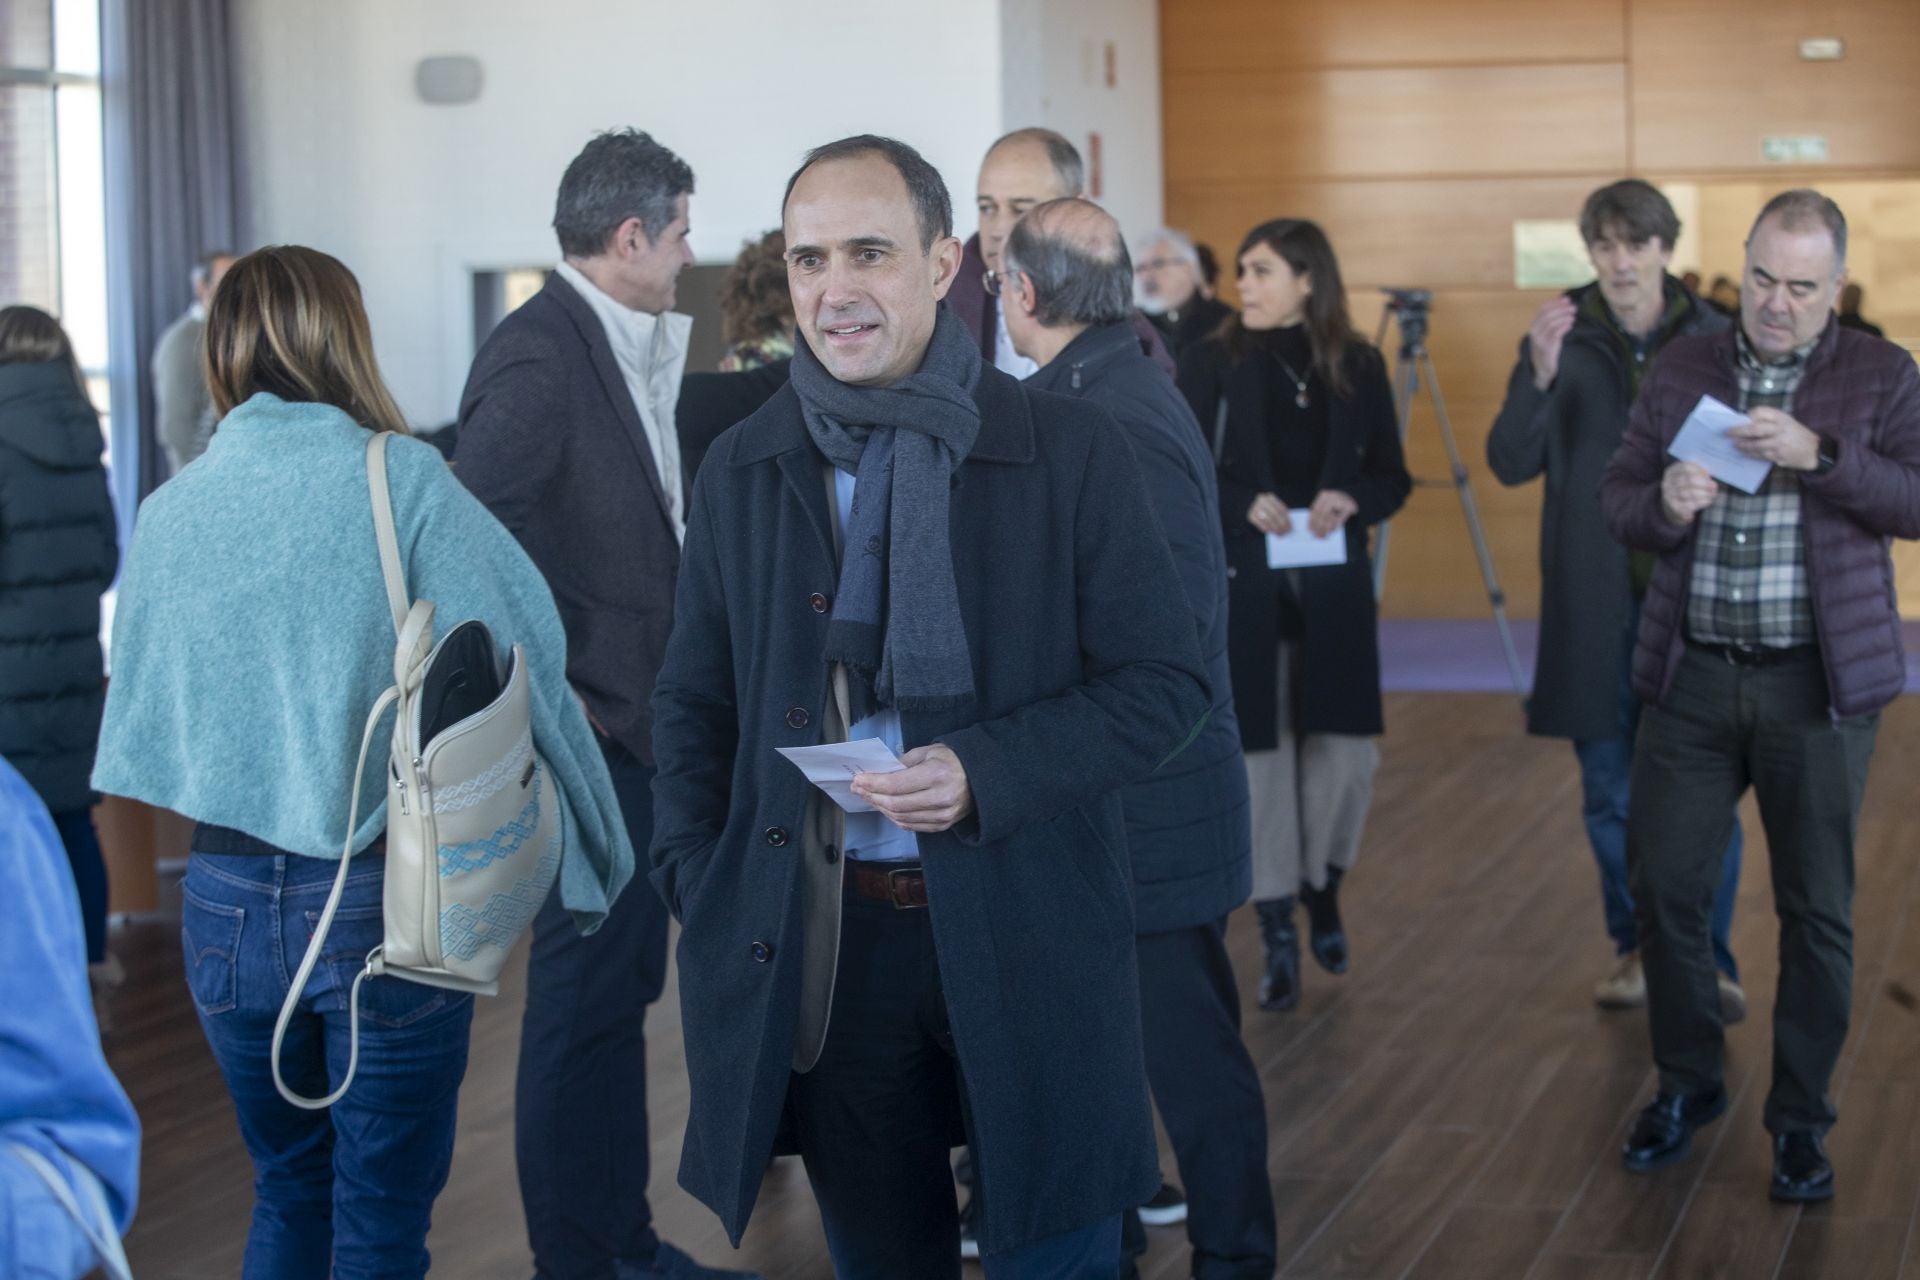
(390, 568)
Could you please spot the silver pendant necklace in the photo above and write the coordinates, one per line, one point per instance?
(1299, 383)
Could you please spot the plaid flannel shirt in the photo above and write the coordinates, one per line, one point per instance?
(1750, 561)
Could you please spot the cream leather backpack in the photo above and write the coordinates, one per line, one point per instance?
(474, 834)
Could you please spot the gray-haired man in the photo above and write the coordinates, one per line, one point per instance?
(567, 435)
(1769, 643)
(185, 420)
(1066, 284)
(1171, 288)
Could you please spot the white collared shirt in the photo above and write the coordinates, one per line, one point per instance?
(1005, 358)
(651, 351)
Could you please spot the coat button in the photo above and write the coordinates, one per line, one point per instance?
(873, 544)
(819, 602)
(798, 718)
(762, 952)
(776, 836)
(831, 854)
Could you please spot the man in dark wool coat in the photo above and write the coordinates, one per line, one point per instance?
(905, 544)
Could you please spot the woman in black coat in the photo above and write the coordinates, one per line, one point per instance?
(1301, 418)
(58, 551)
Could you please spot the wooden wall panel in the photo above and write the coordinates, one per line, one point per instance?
(1418, 131)
(1444, 233)
(1712, 77)
(1208, 35)
(1222, 126)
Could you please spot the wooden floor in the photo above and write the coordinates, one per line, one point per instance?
(1450, 1108)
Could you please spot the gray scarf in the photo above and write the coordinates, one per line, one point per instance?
(896, 616)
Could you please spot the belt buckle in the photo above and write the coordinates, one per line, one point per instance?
(894, 883)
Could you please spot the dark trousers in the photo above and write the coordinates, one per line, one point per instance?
(580, 1101)
(1606, 778)
(89, 876)
(1209, 1098)
(877, 1118)
(1722, 729)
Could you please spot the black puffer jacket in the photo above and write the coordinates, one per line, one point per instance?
(58, 552)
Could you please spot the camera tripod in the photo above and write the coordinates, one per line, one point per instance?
(1410, 308)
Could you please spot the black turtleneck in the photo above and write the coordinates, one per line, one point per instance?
(1296, 437)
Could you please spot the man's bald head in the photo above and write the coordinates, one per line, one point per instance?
(1075, 259)
(1022, 169)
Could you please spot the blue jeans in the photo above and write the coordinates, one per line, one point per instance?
(346, 1192)
(1606, 774)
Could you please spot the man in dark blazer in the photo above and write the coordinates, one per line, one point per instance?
(566, 432)
(1067, 285)
(959, 964)
(1580, 367)
(1021, 170)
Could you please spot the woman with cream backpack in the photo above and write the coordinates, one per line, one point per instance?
(256, 631)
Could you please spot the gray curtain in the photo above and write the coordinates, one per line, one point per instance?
(173, 192)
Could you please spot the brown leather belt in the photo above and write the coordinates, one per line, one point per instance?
(902, 886)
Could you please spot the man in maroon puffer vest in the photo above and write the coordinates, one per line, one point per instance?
(1769, 643)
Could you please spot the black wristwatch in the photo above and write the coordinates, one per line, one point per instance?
(1829, 456)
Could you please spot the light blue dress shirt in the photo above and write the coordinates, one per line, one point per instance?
(871, 837)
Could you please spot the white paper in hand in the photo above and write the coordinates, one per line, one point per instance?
(832, 765)
(1703, 439)
(1297, 548)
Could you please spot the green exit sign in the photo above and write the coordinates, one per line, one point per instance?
(1794, 148)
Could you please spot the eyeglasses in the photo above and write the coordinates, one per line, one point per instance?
(1157, 264)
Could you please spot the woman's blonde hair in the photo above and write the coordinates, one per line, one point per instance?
(29, 335)
(288, 320)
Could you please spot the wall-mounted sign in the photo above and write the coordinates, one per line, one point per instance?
(1794, 148)
(1549, 255)
(1826, 49)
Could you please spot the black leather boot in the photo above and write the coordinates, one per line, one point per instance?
(1280, 984)
(1326, 935)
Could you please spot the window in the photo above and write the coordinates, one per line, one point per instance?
(52, 190)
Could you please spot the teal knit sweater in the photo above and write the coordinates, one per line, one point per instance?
(253, 635)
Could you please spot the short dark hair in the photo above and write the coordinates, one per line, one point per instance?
(1068, 167)
(620, 174)
(932, 207)
(1070, 285)
(1803, 207)
(1631, 207)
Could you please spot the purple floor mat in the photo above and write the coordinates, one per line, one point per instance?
(1464, 655)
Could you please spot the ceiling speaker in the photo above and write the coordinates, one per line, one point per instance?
(447, 81)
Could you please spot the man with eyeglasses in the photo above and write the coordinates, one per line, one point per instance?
(1169, 285)
(1025, 168)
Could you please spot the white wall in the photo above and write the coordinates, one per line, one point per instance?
(342, 156)
(1053, 73)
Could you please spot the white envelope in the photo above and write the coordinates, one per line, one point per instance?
(1703, 439)
(1299, 549)
(832, 765)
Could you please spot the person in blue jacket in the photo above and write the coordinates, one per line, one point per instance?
(61, 1110)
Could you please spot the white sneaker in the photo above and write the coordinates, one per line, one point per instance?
(1625, 987)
